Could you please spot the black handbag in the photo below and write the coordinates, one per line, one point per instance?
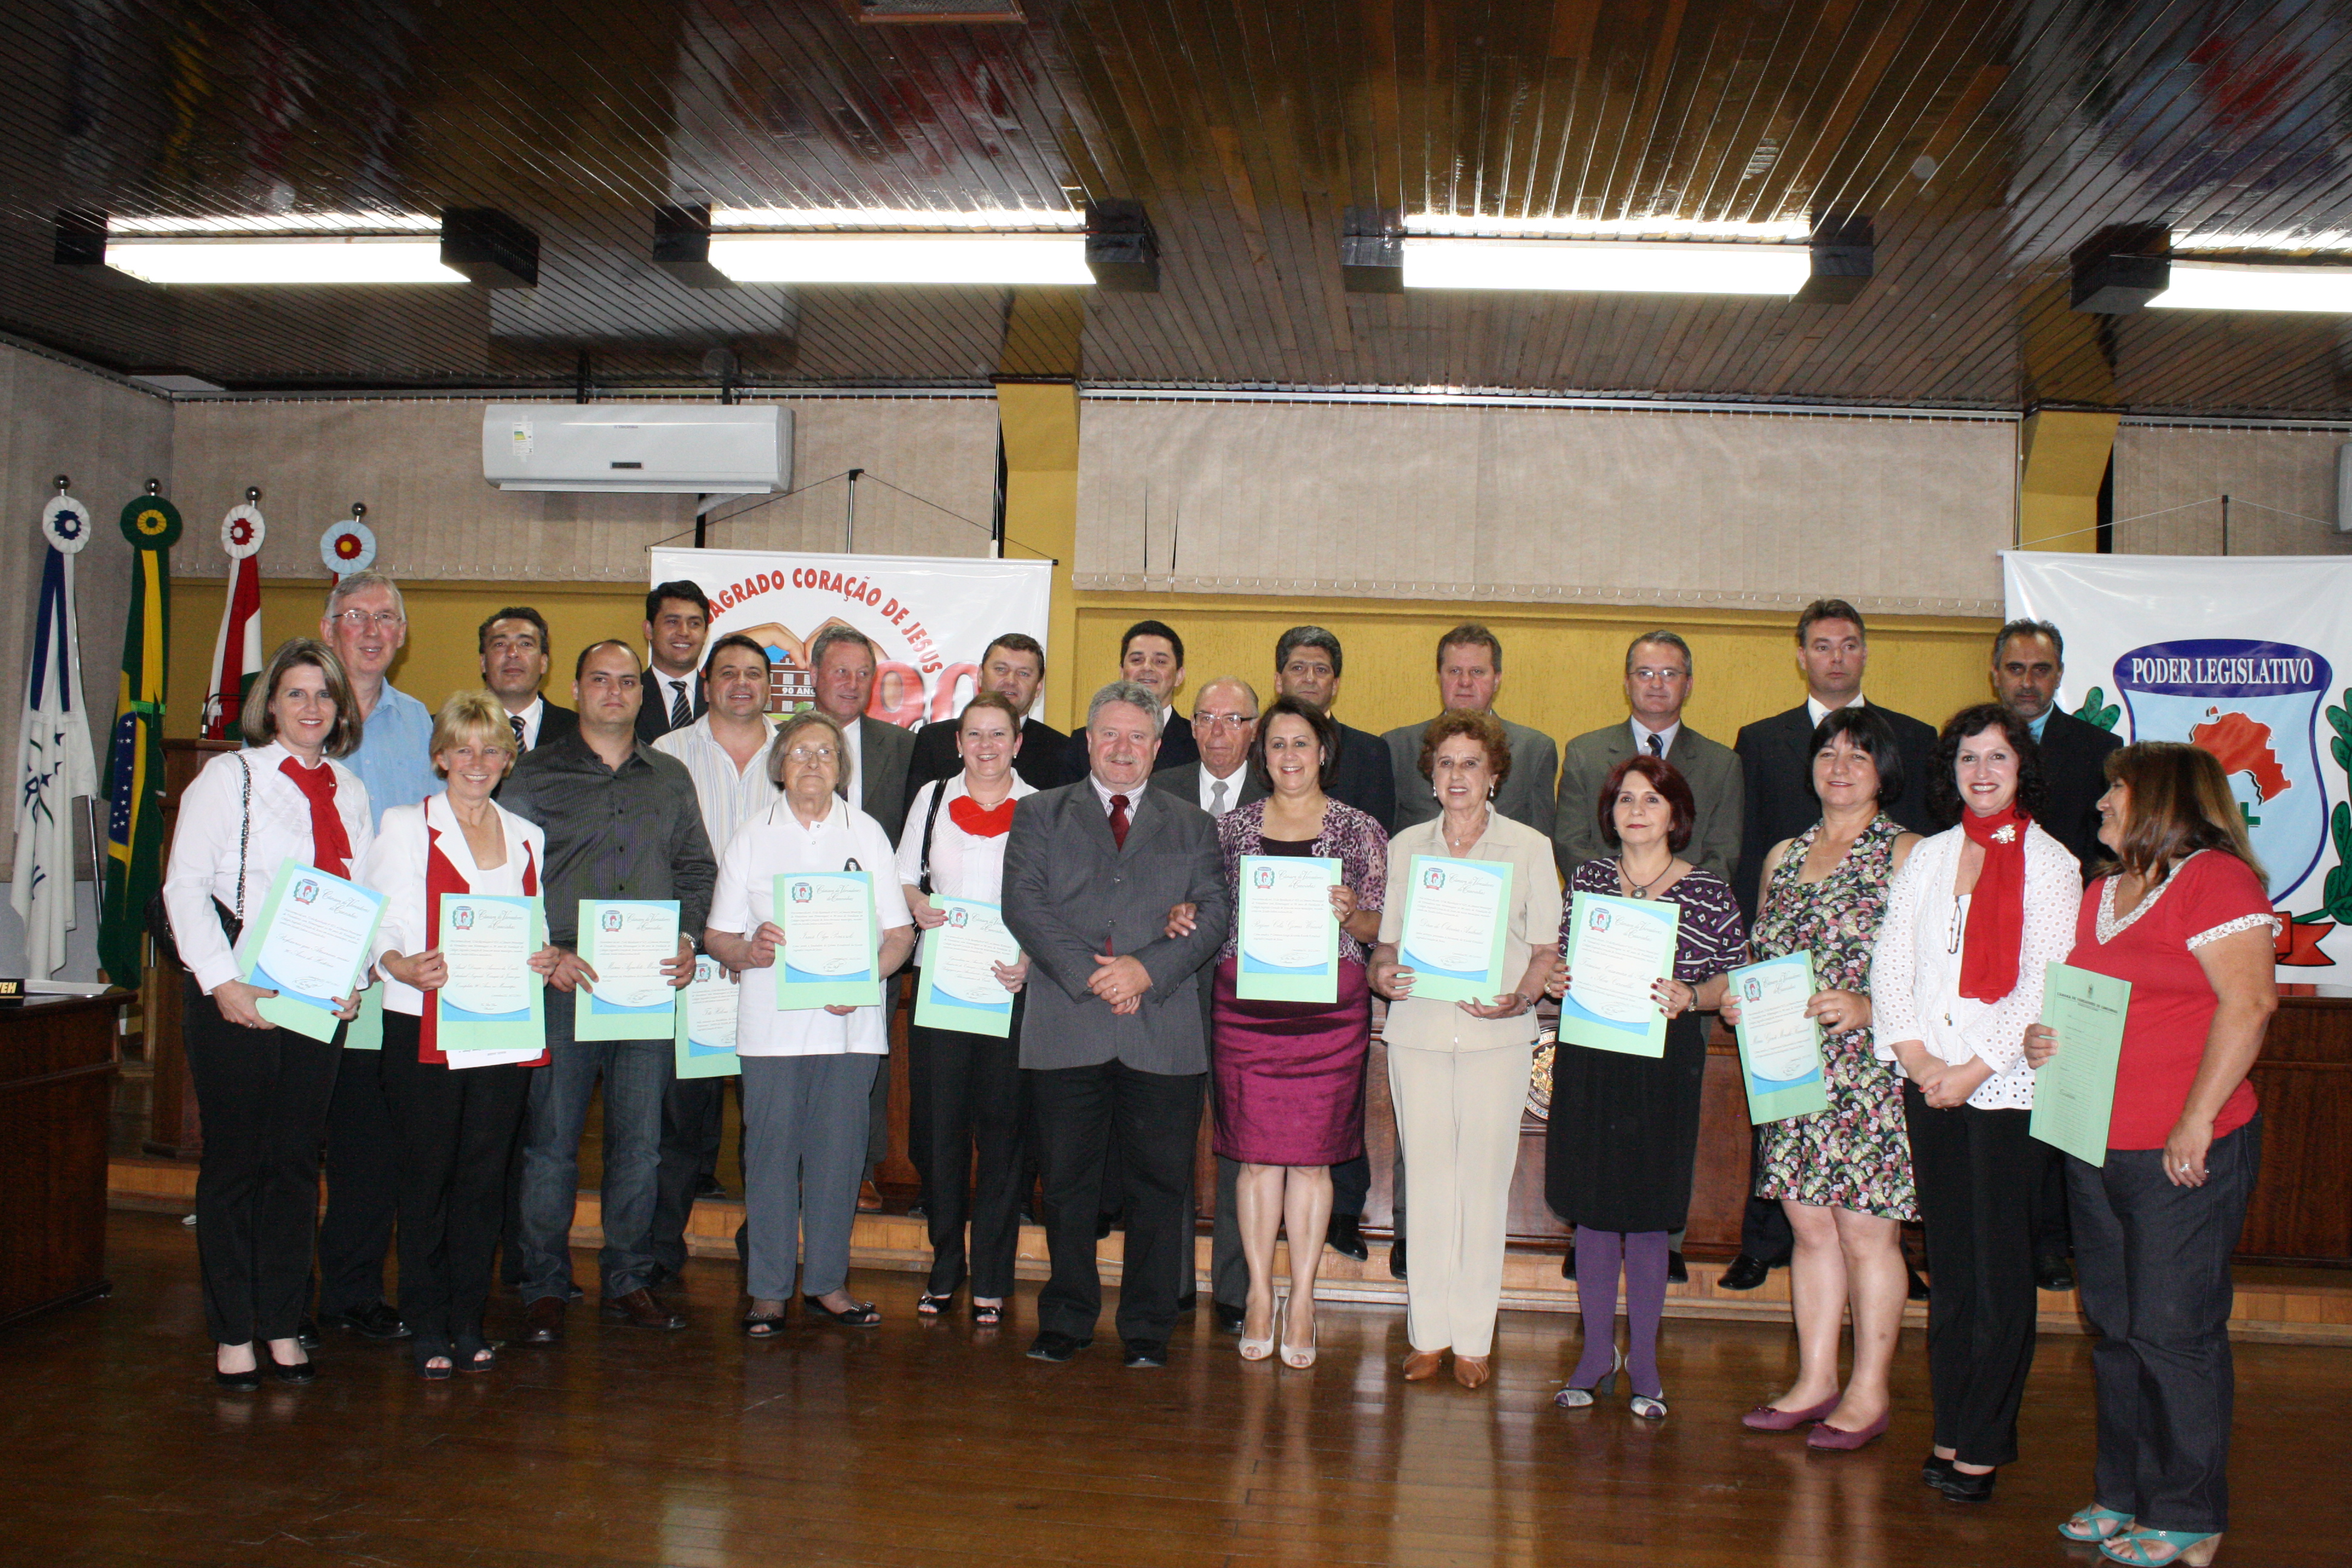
(159, 917)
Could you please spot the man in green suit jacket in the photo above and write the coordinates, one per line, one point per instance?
(1657, 684)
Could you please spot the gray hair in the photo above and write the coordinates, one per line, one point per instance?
(834, 635)
(1134, 693)
(1306, 636)
(1245, 688)
(1665, 638)
(2023, 628)
(359, 583)
(809, 718)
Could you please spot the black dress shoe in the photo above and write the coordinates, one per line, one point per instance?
(708, 1187)
(1229, 1319)
(376, 1320)
(1055, 1348)
(306, 1333)
(1961, 1487)
(1748, 1272)
(1145, 1352)
(1934, 1469)
(641, 1308)
(542, 1321)
(1677, 1271)
(1188, 1300)
(246, 1381)
(917, 1211)
(292, 1371)
(1396, 1258)
(2055, 1273)
(1914, 1286)
(1568, 1262)
(1345, 1235)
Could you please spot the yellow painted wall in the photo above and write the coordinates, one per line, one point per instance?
(1561, 671)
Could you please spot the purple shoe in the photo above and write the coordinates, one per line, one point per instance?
(1837, 1440)
(1771, 1418)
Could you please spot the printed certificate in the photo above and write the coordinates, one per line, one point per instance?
(493, 1000)
(1779, 1046)
(831, 936)
(959, 987)
(705, 1022)
(1617, 949)
(626, 941)
(2074, 1091)
(309, 945)
(1289, 939)
(1455, 916)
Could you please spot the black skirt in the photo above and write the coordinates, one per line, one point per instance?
(1624, 1133)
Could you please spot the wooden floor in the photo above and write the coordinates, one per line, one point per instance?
(914, 1446)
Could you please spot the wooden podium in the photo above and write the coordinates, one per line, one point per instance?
(173, 1130)
(57, 1083)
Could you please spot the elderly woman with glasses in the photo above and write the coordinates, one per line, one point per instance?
(806, 1072)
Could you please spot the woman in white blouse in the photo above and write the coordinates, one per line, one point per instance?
(1956, 977)
(806, 1072)
(454, 1112)
(965, 1085)
(262, 1091)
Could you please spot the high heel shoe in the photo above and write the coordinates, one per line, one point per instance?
(426, 1348)
(1258, 1350)
(1649, 1407)
(1292, 1356)
(1575, 1398)
(472, 1353)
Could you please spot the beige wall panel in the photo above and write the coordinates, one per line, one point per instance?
(2169, 479)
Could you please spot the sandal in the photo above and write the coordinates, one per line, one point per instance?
(2092, 1524)
(763, 1325)
(932, 1304)
(856, 1315)
(987, 1314)
(428, 1348)
(2157, 1548)
(474, 1353)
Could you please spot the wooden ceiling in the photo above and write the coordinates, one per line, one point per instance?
(1985, 140)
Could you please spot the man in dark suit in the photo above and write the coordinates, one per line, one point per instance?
(513, 648)
(1657, 684)
(677, 623)
(1014, 666)
(1152, 655)
(1306, 666)
(1469, 676)
(1776, 757)
(1111, 1037)
(2029, 664)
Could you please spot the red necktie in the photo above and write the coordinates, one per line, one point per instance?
(331, 846)
(1118, 820)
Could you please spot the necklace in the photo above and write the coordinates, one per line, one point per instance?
(1458, 846)
(1642, 890)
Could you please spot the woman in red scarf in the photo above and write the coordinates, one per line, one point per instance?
(1955, 978)
(965, 1084)
(455, 1112)
(262, 1091)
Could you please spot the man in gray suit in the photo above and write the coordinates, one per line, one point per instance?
(1657, 684)
(842, 663)
(1111, 1036)
(1225, 720)
(1469, 675)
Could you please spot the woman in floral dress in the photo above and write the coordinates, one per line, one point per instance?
(1842, 1174)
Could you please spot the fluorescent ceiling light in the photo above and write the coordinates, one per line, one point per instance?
(998, 258)
(282, 223)
(1597, 267)
(2219, 285)
(2276, 239)
(915, 218)
(282, 260)
(1473, 224)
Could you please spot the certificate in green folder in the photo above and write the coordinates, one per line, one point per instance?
(1780, 1045)
(956, 984)
(1617, 949)
(493, 999)
(309, 945)
(828, 958)
(1287, 939)
(2074, 1091)
(705, 1022)
(1456, 915)
(626, 941)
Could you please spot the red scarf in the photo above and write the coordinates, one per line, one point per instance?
(442, 878)
(331, 846)
(1997, 911)
(981, 821)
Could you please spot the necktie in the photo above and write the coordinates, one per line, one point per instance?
(516, 720)
(681, 711)
(1657, 747)
(1118, 820)
(1217, 798)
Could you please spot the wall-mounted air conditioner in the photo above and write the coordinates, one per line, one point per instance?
(673, 448)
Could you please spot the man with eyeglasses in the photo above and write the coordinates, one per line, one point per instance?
(1657, 685)
(621, 822)
(513, 645)
(366, 623)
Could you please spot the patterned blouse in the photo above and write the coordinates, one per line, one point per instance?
(1349, 837)
(1711, 938)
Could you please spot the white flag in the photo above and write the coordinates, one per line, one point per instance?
(53, 762)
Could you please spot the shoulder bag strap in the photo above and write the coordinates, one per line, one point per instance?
(930, 820)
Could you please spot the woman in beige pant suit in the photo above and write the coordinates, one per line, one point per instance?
(1458, 1071)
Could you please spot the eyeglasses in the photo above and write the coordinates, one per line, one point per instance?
(1645, 674)
(1223, 721)
(359, 620)
(811, 755)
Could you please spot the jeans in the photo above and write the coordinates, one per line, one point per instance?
(636, 1075)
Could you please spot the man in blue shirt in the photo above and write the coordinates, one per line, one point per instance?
(366, 624)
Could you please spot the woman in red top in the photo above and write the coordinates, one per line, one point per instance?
(2183, 916)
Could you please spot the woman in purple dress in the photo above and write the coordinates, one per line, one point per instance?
(1289, 1076)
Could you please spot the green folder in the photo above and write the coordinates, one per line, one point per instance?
(321, 911)
(705, 1022)
(1267, 966)
(2074, 1091)
(1793, 1084)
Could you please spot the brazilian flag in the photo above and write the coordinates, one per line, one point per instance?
(134, 753)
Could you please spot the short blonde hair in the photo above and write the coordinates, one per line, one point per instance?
(260, 725)
(793, 725)
(474, 716)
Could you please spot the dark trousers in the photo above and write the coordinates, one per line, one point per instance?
(2154, 1263)
(966, 1101)
(694, 1124)
(455, 1129)
(1155, 1120)
(1228, 1265)
(1977, 1173)
(635, 1074)
(263, 1095)
(363, 1187)
(2052, 1236)
(1764, 1232)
